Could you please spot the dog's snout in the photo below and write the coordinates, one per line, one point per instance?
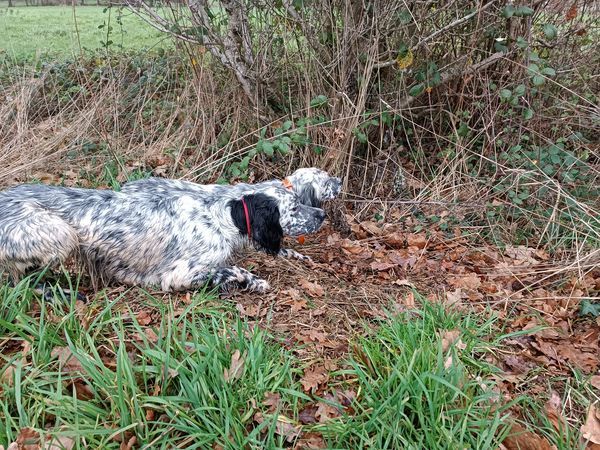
(336, 184)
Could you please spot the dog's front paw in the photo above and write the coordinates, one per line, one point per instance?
(289, 253)
(259, 285)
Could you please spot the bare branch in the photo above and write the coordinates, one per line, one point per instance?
(437, 33)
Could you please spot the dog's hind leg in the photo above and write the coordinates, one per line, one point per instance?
(32, 237)
(51, 293)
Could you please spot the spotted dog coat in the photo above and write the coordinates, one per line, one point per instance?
(312, 186)
(178, 241)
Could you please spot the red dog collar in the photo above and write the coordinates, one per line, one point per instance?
(247, 219)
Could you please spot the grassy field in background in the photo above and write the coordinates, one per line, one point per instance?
(27, 33)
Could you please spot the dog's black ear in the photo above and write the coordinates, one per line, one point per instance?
(308, 196)
(264, 221)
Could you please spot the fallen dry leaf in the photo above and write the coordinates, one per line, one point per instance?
(522, 255)
(60, 443)
(313, 377)
(311, 336)
(129, 444)
(143, 318)
(521, 439)
(307, 415)
(351, 247)
(7, 376)
(284, 426)
(452, 337)
(572, 12)
(590, 430)
(236, 368)
(326, 412)
(404, 261)
(371, 228)
(467, 281)
(272, 400)
(28, 439)
(395, 240)
(595, 381)
(448, 362)
(454, 298)
(404, 282)
(311, 441)
(552, 409)
(250, 310)
(416, 240)
(82, 390)
(67, 360)
(313, 289)
(298, 305)
(381, 266)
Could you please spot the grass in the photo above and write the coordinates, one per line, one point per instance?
(418, 394)
(97, 376)
(29, 33)
(117, 374)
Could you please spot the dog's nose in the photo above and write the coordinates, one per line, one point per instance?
(338, 184)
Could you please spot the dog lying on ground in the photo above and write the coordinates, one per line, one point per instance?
(311, 185)
(170, 234)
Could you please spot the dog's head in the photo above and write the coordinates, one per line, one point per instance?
(313, 186)
(273, 213)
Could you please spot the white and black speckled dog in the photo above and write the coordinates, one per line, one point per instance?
(312, 186)
(157, 233)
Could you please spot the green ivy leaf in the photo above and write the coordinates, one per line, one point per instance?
(550, 31)
(522, 43)
(287, 125)
(508, 11)
(538, 80)
(244, 163)
(505, 94)
(533, 69)
(548, 169)
(520, 90)
(587, 307)
(416, 90)
(527, 113)
(235, 171)
(523, 11)
(362, 137)
(284, 148)
(318, 101)
(267, 148)
(548, 71)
